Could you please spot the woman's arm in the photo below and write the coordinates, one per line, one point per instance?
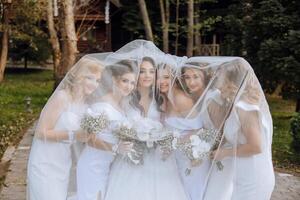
(250, 128)
(49, 116)
(97, 143)
(120, 148)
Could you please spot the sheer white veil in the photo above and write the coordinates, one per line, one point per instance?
(219, 94)
(230, 101)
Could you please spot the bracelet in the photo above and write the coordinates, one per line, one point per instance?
(114, 149)
(71, 135)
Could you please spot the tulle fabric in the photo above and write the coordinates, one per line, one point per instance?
(141, 88)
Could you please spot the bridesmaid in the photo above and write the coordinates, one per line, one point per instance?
(185, 121)
(94, 163)
(50, 158)
(246, 151)
(145, 88)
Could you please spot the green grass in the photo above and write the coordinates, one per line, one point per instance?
(284, 156)
(19, 84)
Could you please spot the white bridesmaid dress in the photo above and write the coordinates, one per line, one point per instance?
(244, 178)
(94, 164)
(49, 164)
(155, 179)
(195, 181)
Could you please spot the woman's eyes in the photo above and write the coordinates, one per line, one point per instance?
(92, 78)
(125, 80)
(186, 77)
(144, 71)
(194, 77)
(128, 81)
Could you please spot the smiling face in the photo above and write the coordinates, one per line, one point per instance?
(126, 83)
(194, 80)
(147, 74)
(85, 78)
(90, 82)
(164, 80)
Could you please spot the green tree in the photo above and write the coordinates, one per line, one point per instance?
(267, 34)
(4, 30)
(28, 39)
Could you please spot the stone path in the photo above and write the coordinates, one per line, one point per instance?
(15, 182)
(287, 186)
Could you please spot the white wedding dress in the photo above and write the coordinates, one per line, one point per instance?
(194, 182)
(94, 164)
(50, 163)
(155, 179)
(245, 178)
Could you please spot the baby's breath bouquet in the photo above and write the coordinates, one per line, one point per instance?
(144, 133)
(198, 146)
(93, 122)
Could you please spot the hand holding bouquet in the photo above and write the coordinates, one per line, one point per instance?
(198, 146)
(144, 133)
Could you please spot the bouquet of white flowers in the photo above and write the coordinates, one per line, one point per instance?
(144, 133)
(198, 146)
(93, 122)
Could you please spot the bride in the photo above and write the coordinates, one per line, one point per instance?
(155, 179)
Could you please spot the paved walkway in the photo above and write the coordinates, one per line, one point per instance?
(287, 186)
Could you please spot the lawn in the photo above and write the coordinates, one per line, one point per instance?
(284, 157)
(17, 86)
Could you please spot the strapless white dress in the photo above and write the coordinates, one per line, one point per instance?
(195, 181)
(244, 178)
(94, 164)
(49, 164)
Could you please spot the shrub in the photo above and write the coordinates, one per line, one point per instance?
(295, 131)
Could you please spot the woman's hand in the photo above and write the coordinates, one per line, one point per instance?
(218, 155)
(165, 152)
(81, 136)
(196, 163)
(91, 140)
(124, 147)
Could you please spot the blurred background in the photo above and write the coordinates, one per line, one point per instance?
(41, 39)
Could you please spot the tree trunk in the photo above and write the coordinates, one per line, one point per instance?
(165, 15)
(197, 35)
(278, 90)
(69, 39)
(146, 20)
(190, 34)
(25, 62)
(4, 41)
(56, 53)
(176, 27)
(298, 105)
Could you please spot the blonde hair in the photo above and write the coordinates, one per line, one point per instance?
(83, 67)
(252, 93)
